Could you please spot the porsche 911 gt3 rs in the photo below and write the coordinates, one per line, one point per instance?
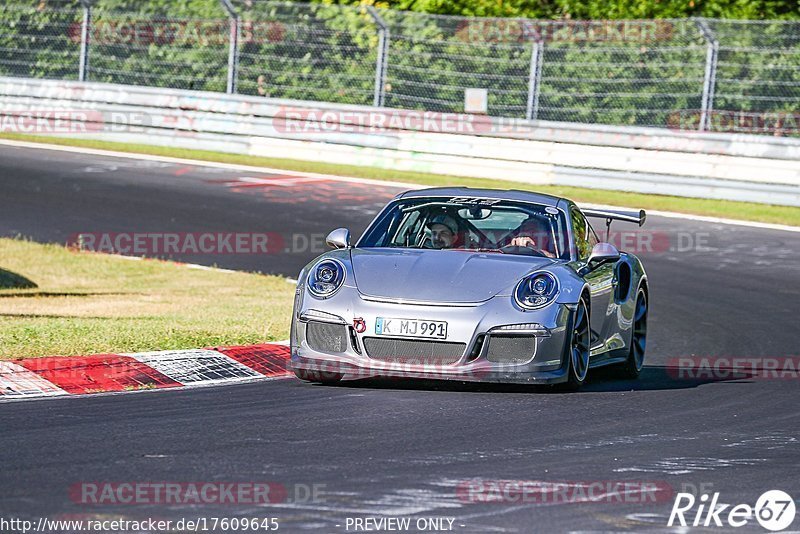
(475, 285)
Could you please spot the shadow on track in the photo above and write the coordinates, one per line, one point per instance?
(604, 379)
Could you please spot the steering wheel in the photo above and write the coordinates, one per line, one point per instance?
(525, 251)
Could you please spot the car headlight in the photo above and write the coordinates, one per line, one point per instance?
(325, 278)
(536, 290)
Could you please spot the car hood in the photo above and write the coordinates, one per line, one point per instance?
(438, 275)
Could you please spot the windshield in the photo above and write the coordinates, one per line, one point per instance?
(483, 225)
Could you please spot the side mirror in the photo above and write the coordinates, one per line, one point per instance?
(339, 238)
(602, 253)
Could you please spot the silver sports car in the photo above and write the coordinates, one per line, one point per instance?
(472, 284)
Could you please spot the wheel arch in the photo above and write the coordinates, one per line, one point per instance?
(643, 284)
(586, 295)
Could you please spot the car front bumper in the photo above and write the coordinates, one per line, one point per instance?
(492, 346)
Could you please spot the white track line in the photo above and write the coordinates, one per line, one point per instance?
(384, 183)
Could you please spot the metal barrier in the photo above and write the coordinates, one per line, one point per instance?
(722, 166)
(701, 74)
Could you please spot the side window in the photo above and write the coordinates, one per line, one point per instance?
(592, 236)
(407, 232)
(580, 229)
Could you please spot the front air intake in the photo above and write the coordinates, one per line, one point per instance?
(413, 351)
(326, 337)
(511, 349)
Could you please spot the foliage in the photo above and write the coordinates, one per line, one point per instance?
(629, 72)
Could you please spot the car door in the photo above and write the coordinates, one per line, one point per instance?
(600, 280)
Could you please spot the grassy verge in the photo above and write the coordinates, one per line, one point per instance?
(57, 301)
(715, 208)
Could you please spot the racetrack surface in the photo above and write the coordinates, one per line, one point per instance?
(395, 448)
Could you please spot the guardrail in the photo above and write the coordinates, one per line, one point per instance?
(721, 166)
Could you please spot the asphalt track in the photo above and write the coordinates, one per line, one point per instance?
(380, 449)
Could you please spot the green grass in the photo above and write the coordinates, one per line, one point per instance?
(56, 301)
(716, 208)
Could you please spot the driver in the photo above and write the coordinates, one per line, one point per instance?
(444, 231)
(532, 234)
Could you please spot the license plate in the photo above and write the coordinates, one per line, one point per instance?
(386, 326)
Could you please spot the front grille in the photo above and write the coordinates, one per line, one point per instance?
(510, 349)
(326, 337)
(413, 351)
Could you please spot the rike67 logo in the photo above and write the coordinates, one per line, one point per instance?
(774, 511)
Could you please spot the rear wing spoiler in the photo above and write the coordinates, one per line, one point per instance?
(615, 215)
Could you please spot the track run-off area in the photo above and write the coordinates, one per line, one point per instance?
(379, 449)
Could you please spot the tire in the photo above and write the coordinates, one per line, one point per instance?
(633, 365)
(318, 377)
(578, 350)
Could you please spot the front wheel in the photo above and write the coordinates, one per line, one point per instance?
(578, 365)
(633, 365)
